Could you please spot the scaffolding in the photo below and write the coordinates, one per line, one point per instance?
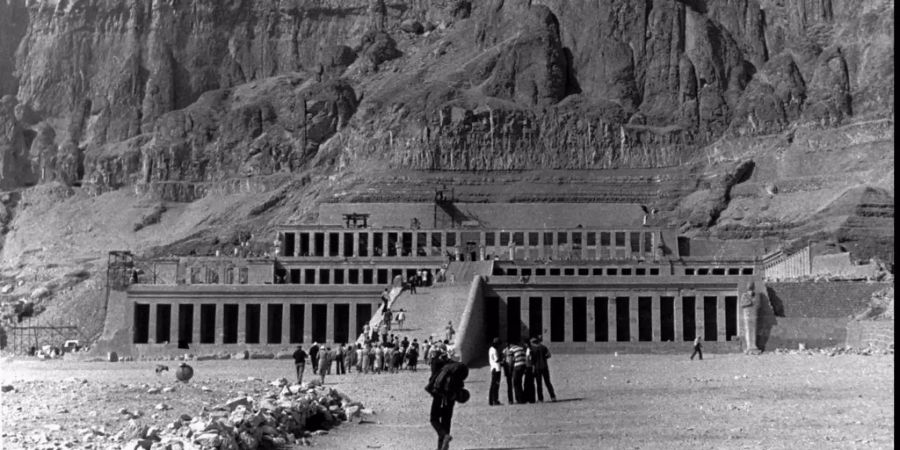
(32, 333)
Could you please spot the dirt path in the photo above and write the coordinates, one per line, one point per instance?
(629, 401)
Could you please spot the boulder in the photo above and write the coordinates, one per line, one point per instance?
(412, 26)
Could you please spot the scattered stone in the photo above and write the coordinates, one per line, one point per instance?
(7, 388)
(168, 389)
(53, 427)
(154, 390)
(162, 407)
(412, 26)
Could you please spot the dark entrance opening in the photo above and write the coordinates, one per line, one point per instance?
(324, 276)
(579, 319)
(208, 324)
(513, 319)
(163, 323)
(274, 313)
(667, 318)
(535, 317)
(333, 244)
(623, 334)
(341, 323)
(294, 276)
(491, 318)
(289, 243)
(367, 276)
(392, 244)
(185, 325)
(296, 332)
(338, 276)
(309, 276)
(645, 319)
(141, 323)
(601, 319)
(348, 244)
(362, 244)
(230, 324)
(304, 244)
(319, 244)
(382, 276)
(363, 315)
(557, 319)
(251, 324)
(319, 323)
(687, 315)
(710, 325)
(378, 244)
(730, 317)
(406, 244)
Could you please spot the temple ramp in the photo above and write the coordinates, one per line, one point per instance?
(428, 310)
(463, 272)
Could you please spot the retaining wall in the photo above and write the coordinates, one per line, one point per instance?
(471, 338)
(871, 333)
(813, 313)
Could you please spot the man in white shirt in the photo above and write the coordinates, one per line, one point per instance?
(494, 360)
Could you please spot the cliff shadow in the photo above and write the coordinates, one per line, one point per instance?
(766, 320)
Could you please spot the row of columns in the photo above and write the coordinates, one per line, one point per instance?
(242, 323)
(360, 274)
(633, 318)
(526, 250)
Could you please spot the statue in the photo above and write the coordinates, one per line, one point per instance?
(749, 307)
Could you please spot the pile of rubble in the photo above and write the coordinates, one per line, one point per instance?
(283, 415)
(834, 351)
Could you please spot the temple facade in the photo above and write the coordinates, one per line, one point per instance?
(582, 289)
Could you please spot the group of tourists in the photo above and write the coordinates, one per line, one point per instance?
(525, 367)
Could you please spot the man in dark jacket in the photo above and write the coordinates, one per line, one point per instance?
(446, 386)
(540, 354)
(314, 356)
(299, 363)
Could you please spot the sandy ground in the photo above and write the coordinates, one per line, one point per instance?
(606, 401)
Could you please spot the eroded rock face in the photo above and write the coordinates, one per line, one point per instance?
(120, 93)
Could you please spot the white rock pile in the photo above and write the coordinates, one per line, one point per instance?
(283, 415)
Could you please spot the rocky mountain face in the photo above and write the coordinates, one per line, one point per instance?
(175, 99)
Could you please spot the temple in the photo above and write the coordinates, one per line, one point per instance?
(605, 283)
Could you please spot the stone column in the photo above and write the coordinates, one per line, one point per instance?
(633, 329)
(195, 327)
(173, 320)
(370, 244)
(151, 331)
(545, 318)
(678, 318)
(523, 317)
(354, 332)
(297, 238)
(720, 318)
(568, 320)
(264, 323)
(220, 324)
(285, 323)
(698, 317)
(242, 323)
(307, 323)
(591, 320)
(341, 244)
(628, 245)
(656, 318)
(427, 245)
(749, 303)
(330, 319)
(611, 319)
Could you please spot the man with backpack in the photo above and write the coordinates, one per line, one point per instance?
(446, 386)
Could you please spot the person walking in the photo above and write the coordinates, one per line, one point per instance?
(446, 387)
(385, 298)
(401, 317)
(323, 364)
(540, 355)
(339, 360)
(314, 356)
(698, 349)
(494, 360)
(299, 363)
(449, 331)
